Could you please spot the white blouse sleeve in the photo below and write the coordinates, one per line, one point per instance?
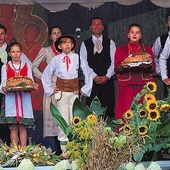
(3, 77)
(163, 59)
(156, 48)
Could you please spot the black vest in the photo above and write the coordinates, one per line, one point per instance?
(163, 39)
(98, 62)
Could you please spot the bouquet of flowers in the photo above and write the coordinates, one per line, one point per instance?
(92, 143)
(37, 154)
(148, 121)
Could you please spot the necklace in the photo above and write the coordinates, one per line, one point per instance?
(16, 68)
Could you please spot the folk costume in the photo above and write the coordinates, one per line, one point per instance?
(18, 106)
(65, 67)
(100, 63)
(50, 127)
(130, 80)
(5, 132)
(162, 57)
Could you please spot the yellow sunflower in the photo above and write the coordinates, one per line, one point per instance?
(127, 129)
(128, 114)
(151, 105)
(92, 118)
(142, 129)
(149, 97)
(142, 113)
(154, 115)
(151, 86)
(164, 107)
(76, 120)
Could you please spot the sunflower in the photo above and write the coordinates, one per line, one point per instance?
(128, 114)
(142, 113)
(149, 97)
(151, 86)
(154, 115)
(164, 107)
(151, 105)
(127, 129)
(142, 129)
(92, 118)
(76, 120)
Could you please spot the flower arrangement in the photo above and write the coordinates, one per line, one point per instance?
(37, 154)
(148, 121)
(92, 143)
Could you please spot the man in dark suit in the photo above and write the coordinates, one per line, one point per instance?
(99, 51)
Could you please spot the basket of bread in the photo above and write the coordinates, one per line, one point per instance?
(138, 59)
(20, 83)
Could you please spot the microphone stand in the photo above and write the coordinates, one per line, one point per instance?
(80, 74)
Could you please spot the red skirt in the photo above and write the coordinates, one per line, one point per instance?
(125, 97)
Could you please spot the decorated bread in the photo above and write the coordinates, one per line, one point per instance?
(20, 83)
(144, 57)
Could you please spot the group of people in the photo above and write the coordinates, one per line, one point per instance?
(99, 60)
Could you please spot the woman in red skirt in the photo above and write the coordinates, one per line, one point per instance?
(132, 76)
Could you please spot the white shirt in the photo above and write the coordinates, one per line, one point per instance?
(157, 49)
(58, 67)
(163, 59)
(83, 55)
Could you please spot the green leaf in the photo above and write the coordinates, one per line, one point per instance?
(96, 107)
(78, 109)
(113, 124)
(59, 118)
(68, 130)
(138, 157)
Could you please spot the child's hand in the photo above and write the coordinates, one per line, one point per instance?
(82, 93)
(76, 92)
(56, 89)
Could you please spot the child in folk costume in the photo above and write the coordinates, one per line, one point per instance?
(18, 107)
(65, 66)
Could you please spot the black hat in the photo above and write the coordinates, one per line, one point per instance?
(58, 42)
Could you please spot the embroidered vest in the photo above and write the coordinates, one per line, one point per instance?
(13, 73)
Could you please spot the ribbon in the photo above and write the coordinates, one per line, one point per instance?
(17, 106)
(66, 60)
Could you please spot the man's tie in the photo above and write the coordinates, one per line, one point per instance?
(98, 46)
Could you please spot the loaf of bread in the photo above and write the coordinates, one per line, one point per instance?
(138, 58)
(20, 82)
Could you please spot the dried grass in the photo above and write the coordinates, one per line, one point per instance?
(105, 157)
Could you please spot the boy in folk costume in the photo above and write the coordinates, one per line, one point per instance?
(65, 66)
